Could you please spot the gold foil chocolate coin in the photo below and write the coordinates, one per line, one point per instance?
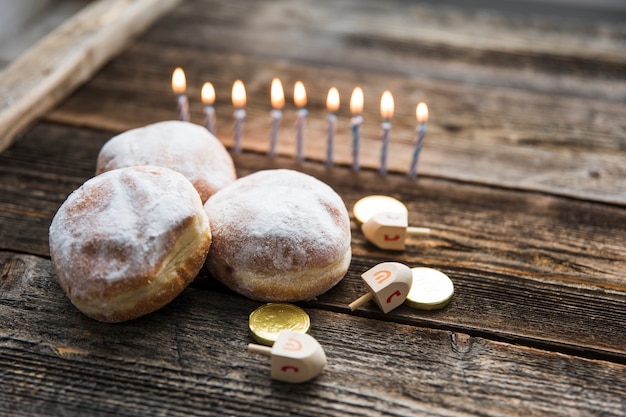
(371, 205)
(267, 321)
(431, 289)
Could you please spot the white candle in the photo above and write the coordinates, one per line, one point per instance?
(332, 104)
(421, 112)
(299, 98)
(208, 98)
(386, 112)
(277, 98)
(239, 102)
(356, 107)
(179, 86)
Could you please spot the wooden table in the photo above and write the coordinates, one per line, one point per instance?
(521, 180)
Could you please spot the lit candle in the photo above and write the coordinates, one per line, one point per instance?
(277, 97)
(356, 107)
(239, 102)
(299, 99)
(421, 112)
(208, 98)
(386, 112)
(179, 86)
(332, 104)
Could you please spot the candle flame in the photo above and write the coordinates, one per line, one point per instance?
(239, 94)
(299, 94)
(356, 101)
(208, 94)
(179, 82)
(277, 95)
(421, 112)
(332, 101)
(386, 105)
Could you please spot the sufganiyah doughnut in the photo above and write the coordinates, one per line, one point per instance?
(127, 242)
(184, 147)
(278, 235)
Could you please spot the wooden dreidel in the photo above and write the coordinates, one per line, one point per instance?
(296, 357)
(389, 230)
(389, 283)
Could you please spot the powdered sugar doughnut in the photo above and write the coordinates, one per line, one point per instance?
(184, 147)
(129, 241)
(278, 235)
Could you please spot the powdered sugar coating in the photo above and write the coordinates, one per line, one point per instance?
(119, 226)
(271, 228)
(184, 147)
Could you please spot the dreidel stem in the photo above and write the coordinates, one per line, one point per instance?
(417, 231)
(360, 301)
(260, 349)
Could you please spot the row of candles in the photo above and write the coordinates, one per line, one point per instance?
(277, 98)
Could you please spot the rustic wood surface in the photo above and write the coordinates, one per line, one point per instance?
(503, 112)
(46, 73)
(521, 182)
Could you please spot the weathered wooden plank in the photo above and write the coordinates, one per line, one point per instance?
(56, 361)
(548, 128)
(536, 324)
(538, 312)
(532, 266)
(560, 261)
(534, 235)
(45, 74)
(37, 173)
(464, 32)
(493, 229)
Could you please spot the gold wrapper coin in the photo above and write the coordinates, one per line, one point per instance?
(267, 321)
(371, 205)
(431, 289)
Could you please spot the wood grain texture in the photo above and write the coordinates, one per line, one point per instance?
(46, 73)
(504, 111)
(559, 262)
(56, 361)
(521, 182)
(37, 173)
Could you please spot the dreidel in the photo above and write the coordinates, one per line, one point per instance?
(389, 284)
(389, 230)
(296, 357)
